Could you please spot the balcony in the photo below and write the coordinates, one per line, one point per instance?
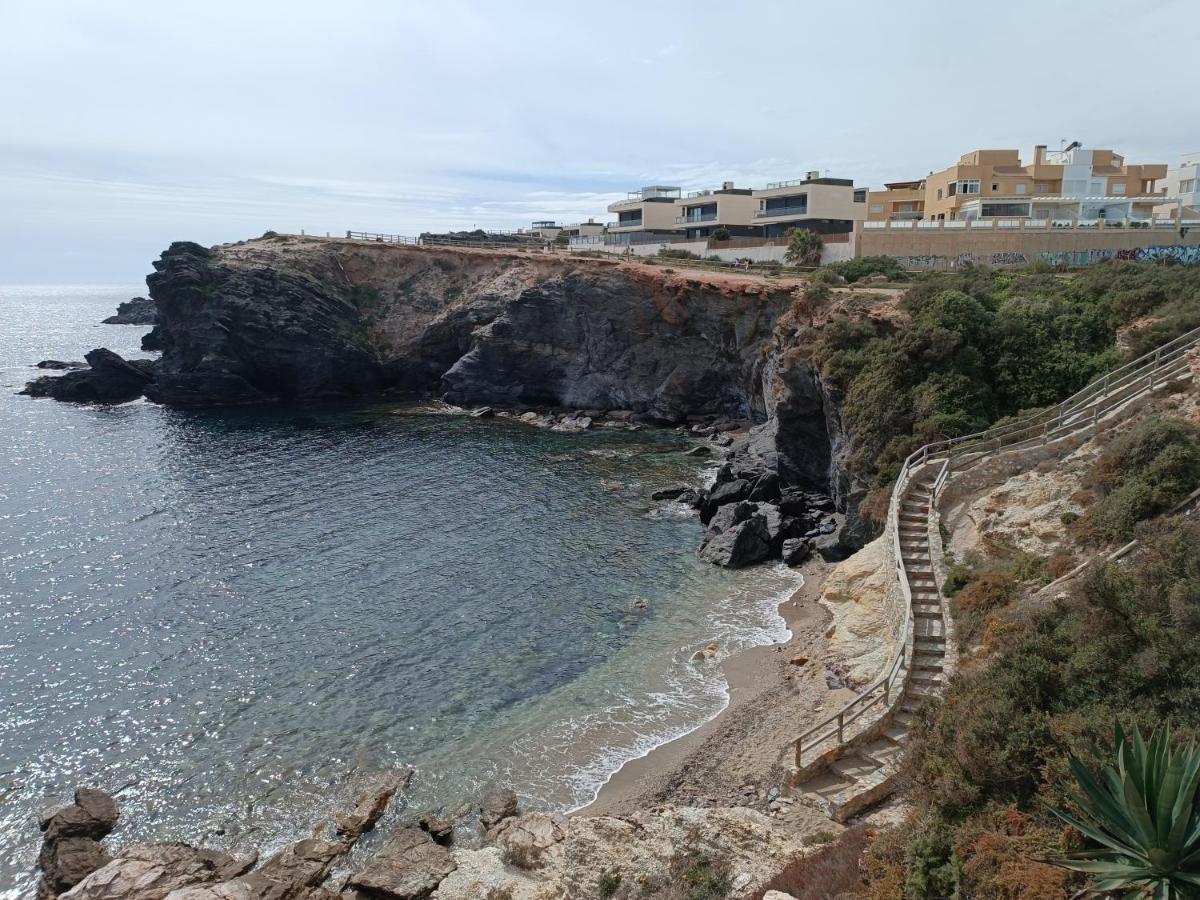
(696, 219)
(901, 215)
(627, 203)
(778, 211)
(626, 223)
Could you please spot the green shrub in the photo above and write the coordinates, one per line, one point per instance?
(609, 884)
(1144, 472)
(721, 234)
(860, 267)
(985, 593)
(672, 253)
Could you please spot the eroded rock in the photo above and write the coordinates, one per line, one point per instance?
(409, 867)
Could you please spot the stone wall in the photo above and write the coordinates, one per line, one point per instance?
(950, 247)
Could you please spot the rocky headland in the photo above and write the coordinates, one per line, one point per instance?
(576, 341)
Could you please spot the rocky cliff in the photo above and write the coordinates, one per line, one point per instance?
(285, 318)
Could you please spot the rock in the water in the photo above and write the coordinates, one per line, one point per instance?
(721, 494)
(60, 364)
(138, 311)
(674, 492)
(152, 871)
(690, 497)
(796, 551)
(93, 814)
(727, 516)
(698, 450)
(409, 867)
(110, 379)
(526, 841)
(483, 412)
(741, 545)
(369, 810)
(497, 805)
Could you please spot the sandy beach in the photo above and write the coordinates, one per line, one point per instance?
(737, 757)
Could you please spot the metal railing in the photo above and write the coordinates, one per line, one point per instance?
(695, 220)
(1080, 411)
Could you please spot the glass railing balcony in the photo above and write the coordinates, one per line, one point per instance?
(695, 219)
(628, 223)
(774, 212)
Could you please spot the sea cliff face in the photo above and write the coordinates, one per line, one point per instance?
(279, 319)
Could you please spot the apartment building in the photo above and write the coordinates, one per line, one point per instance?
(648, 211)
(898, 201)
(1183, 189)
(1074, 183)
(825, 205)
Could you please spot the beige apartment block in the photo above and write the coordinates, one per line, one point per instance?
(1065, 185)
(898, 201)
(824, 205)
(700, 213)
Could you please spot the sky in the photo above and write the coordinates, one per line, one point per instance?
(126, 125)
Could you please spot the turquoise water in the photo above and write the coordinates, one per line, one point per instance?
(237, 617)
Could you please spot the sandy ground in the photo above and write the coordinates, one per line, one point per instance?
(736, 758)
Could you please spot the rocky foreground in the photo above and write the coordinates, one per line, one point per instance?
(282, 319)
(532, 856)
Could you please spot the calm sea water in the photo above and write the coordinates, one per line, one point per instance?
(237, 618)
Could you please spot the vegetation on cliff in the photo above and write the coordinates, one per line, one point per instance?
(980, 345)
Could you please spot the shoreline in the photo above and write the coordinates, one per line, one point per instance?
(746, 743)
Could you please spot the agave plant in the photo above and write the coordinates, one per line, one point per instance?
(1144, 816)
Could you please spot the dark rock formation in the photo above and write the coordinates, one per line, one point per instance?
(739, 545)
(670, 493)
(60, 364)
(138, 311)
(109, 379)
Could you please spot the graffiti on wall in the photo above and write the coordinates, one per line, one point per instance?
(1178, 253)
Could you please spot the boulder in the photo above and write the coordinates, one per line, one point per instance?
(409, 867)
(67, 861)
(110, 379)
(796, 550)
(698, 450)
(497, 805)
(60, 364)
(830, 547)
(721, 494)
(440, 828)
(765, 488)
(138, 311)
(741, 545)
(527, 841)
(152, 871)
(690, 497)
(727, 516)
(367, 812)
(93, 814)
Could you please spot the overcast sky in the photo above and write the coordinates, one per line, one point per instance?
(125, 125)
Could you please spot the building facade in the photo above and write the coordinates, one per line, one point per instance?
(897, 202)
(1183, 188)
(824, 205)
(1065, 185)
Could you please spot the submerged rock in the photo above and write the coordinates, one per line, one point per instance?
(138, 311)
(497, 805)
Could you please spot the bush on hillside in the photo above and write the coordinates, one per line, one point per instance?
(671, 253)
(721, 234)
(860, 267)
(1144, 472)
(1118, 647)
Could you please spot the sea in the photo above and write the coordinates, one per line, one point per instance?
(237, 620)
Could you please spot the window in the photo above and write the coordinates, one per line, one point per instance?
(969, 186)
(992, 210)
(1077, 188)
(940, 191)
(860, 196)
(876, 207)
(1020, 188)
(1043, 187)
(995, 186)
(1187, 185)
(1117, 187)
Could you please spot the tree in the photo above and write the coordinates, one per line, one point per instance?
(720, 234)
(1143, 815)
(804, 248)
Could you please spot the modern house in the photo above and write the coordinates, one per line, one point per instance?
(1183, 188)
(824, 205)
(1070, 184)
(898, 201)
(648, 211)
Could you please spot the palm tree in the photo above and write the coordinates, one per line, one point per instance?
(804, 248)
(1143, 815)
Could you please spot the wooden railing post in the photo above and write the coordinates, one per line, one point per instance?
(841, 721)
